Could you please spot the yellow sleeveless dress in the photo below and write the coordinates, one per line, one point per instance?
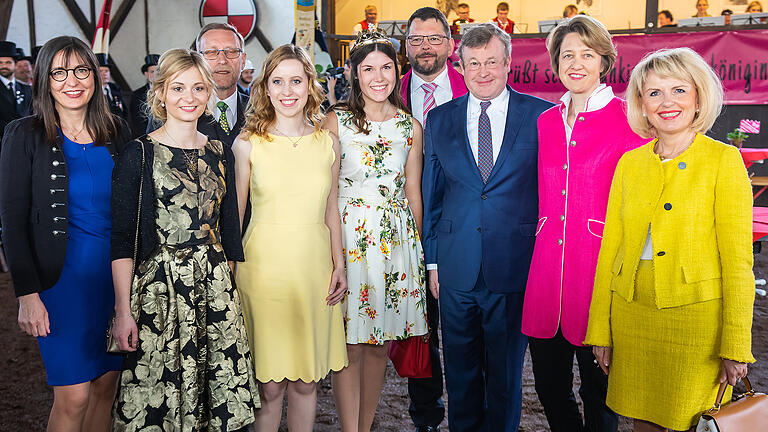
(283, 283)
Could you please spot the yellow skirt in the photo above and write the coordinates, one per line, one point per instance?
(665, 366)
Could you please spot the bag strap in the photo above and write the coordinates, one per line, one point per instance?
(138, 211)
(721, 393)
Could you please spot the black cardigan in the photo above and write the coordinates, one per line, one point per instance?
(34, 184)
(125, 197)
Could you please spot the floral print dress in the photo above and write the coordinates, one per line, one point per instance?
(192, 368)
(384, 258)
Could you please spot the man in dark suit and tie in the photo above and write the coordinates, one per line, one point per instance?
(480, 211)
(15, 97)
(112, 91)
(138, 109)
(429, 83)
(222, 47)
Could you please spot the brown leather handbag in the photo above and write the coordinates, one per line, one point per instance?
(747, 413)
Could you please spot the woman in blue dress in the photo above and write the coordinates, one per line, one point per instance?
(55, 172)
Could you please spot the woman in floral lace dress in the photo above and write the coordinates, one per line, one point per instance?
(380, 207)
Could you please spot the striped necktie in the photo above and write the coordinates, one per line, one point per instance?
(222, 106)
(484, 142)
(429, 97)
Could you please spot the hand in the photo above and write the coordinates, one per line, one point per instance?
(434, 285)
(125, 332)
(603, 357)
(33, 316)
(331, 83)
(732, 371)
(232, 267)
(338, 286)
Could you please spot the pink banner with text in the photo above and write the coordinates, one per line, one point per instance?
(740, 59)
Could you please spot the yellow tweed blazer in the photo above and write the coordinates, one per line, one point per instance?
(699, 208)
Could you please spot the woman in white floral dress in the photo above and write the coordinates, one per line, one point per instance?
(380, 207)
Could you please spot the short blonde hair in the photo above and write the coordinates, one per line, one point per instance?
(172, 63)
(591, 32)
(683, 64)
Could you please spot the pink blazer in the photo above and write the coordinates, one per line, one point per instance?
(574, 181)
(458, 87)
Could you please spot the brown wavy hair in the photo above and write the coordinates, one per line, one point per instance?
(356, 104)
(101, 124)
(260, 114)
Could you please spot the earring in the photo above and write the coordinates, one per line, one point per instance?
(163, 105)
(643, 114)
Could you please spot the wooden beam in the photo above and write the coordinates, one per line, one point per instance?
(120, 80)
(651, 15)
(31, 21)
(93, 11)
(262, 39)
(82, 22)
(5, 17)
(119, 17)
(146, 27)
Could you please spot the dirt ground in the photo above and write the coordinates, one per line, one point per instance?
(25, 399)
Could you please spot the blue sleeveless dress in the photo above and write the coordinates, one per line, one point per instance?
(81, 303)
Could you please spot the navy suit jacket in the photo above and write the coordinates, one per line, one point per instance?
(468, 225)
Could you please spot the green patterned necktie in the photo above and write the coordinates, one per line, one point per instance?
(222, 106)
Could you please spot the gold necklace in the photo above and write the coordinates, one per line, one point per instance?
(295, 143)
(74, 137)
(191, 165)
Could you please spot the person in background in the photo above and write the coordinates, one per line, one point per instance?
(570, 11)
(15, 97)
(666, 19)
(55, 170)
(370, 21)
(701, 9)
(727, 14)
(188, 366)
(462, 10)
(671, 311)
(754, 7)
(380, 206)
(479, 189)
(502, 18)
(580, 142)
(23, 71)
(430, 82)
(112, 91)
(289, 168)
(139, 109)
(337, 89)
(246, 77)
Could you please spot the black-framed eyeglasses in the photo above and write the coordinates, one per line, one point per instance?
(230, 53)
(433, 39)
(61, 74)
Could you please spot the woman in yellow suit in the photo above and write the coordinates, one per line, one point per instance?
(671, 313)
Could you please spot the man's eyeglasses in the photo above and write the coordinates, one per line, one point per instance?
(230, 53)
(61, 74)
(474, 65)
(433, 39)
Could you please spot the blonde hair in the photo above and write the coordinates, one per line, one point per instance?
(172, 63)
(260, 113)
(591, 32)
(683, 64)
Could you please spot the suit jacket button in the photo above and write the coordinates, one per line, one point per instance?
(562, 217)
(565, 166)
(581, 118)
(484, 196)
(559, 241)
(661, 253)
(563, 192)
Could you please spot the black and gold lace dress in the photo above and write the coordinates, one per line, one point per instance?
(192, 369)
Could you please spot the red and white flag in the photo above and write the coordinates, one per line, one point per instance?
(749, 126)
(101, 36)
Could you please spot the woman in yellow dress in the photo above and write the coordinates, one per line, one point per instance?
(293, 275)
(671, 313)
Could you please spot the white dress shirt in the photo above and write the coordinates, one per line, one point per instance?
(443, 93)
(599, 98)
(497, 114)
(231, 102)
(6, 81)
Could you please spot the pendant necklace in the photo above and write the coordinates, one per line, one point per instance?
(296, 142)
(74, 137)
(191, 165)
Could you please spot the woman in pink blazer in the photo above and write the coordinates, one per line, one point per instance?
(580, 143)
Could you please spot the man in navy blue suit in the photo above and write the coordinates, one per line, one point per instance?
(480, 212)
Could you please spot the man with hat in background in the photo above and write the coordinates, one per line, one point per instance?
(15, 97)
(138, 108)
(246, 77)
(23, 73)
(111, 90)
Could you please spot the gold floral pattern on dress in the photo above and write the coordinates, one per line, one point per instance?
(384, 258)
(192, 368)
